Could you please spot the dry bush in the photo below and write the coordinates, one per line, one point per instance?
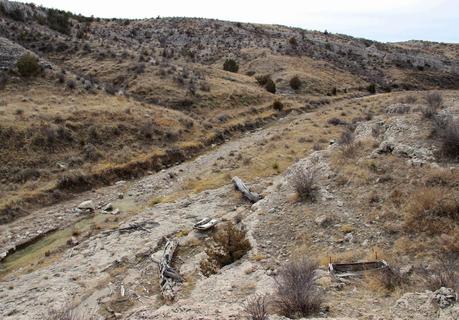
(295, 83)
(230, 245)
(391, 278)
(278, 105)
(262, 80)
(434, 102)
(270, 86)
(256, 308)
(296, 293)
(447, 132)
(336, 121)
(28, 65)
(432, 210)
(347, 143)
(444, 274)
(304, 182)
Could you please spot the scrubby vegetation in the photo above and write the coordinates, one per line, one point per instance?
(304, 182)
(256, 308)
(446, 129)
(231, 65)
(296, 293)
(295, 83)
(28, 65)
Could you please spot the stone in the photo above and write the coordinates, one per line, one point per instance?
(108, 207)
(322, 220)
(87, 205)
(444, 297)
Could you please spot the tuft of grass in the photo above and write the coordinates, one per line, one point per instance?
(256, 308)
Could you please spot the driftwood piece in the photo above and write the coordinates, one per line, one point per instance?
(205, 224)
(240, 185)
(167, 275)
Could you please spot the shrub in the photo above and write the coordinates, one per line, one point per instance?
(293, 42)
(336, 121)
(434, 100)
(303, 181)
(278, 105)
(90, 153)
(231, 244)
(446, 129)
(147, 129)
(28, 65)
(449, 136)
(270, 86)
(347, 138)
(444, 274)
(296, 293)
(391, 278)
(231, 65)
(347, 143)
(71, 84)
(372, 88)
(262, 80)
(256, 308)
(295, 83)
(3, 80)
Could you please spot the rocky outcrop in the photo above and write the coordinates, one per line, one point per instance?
(9, 53)
(441, 304)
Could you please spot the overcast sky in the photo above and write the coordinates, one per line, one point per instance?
(383, 20)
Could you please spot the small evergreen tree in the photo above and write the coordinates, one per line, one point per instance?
(231, 65)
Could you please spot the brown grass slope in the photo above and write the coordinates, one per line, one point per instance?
(118, 98)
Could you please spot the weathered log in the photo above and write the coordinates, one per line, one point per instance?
(240, 185)
(205, 224)
(167, 275)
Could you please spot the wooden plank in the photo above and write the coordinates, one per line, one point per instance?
(240, 185)
(168, 277)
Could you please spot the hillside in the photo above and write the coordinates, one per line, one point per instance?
(156, 116)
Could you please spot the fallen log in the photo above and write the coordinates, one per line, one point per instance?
(167, 275)
(240, 185)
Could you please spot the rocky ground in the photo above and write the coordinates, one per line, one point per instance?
(103, 263)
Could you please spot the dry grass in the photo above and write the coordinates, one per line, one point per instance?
(433, 210)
